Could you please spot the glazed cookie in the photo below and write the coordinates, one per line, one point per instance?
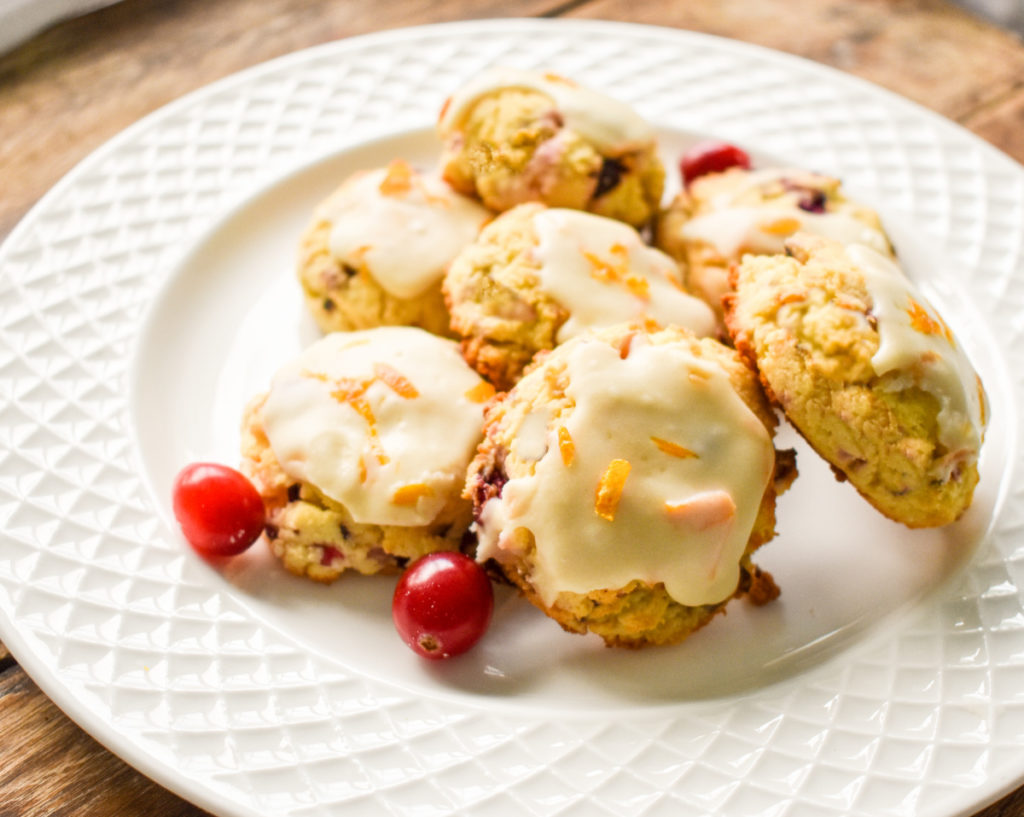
(377, 249)
(516, 136)
(537, 276)
(360, 450)
(639, 529)
(867, 371)
(722, 216)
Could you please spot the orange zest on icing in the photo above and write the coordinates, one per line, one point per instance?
(359, 404)
(616, 270)
(352, 393)
(781, 226)
(638, 286)
(625, 345)
(609, 489)
(480, 393)
(925, 323)
(362, 470)
(601, 270)
(674, 449)
(566, 447)
(559, 78)
(398, 383)
(410, 494)
(398, 179)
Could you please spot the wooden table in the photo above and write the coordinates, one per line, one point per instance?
(68, 90)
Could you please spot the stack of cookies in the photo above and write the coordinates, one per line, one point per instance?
(528, 357)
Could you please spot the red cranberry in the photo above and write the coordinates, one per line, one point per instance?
(711, 156)
(442, 604)
(218, 509)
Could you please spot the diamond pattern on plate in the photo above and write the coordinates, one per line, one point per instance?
(120, 627)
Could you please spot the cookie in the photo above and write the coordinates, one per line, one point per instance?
(360, 450)
(537, 276)
(378, 247)
(867, 371)
(625, 481)
(722, 216)
(511, 137)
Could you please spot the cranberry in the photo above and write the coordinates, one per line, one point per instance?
(442, 604)
(711, 157)
(218, 509)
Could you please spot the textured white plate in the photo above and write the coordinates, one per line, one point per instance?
(150, 294)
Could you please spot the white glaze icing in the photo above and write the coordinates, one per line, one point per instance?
(732, 227)
(402, 226)
(682, 520)
(915, 342)
(734, 230)
(333, 420)
(601, 272)
(610, 125)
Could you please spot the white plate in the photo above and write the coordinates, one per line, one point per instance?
(151, 293)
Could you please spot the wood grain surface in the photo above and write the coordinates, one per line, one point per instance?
(68, 90)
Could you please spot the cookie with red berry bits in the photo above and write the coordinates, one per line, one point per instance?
(537, 276)
(378, 247)
(360, 448)
(720, 217)
(517, 136)
(867, 371)
(638, 528)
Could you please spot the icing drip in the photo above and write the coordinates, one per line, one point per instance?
(601, 272)
(914, 341)
(610, 125)
(670, 495)
(402, 227)
(384, 421)
(733, 224)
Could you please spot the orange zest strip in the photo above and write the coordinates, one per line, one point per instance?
(609, 490)
(781, 226)
(362, 470)
(566, 447)
(790, 296)
(626, 345)
(673, 449)
(480, 393)
(638, 286)
(398, 179)
(925, 323)
(399, 384)
(602, 270)
(615, 270)
(410, 494)
(363, 409)
(351, 392)
(559, 78)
